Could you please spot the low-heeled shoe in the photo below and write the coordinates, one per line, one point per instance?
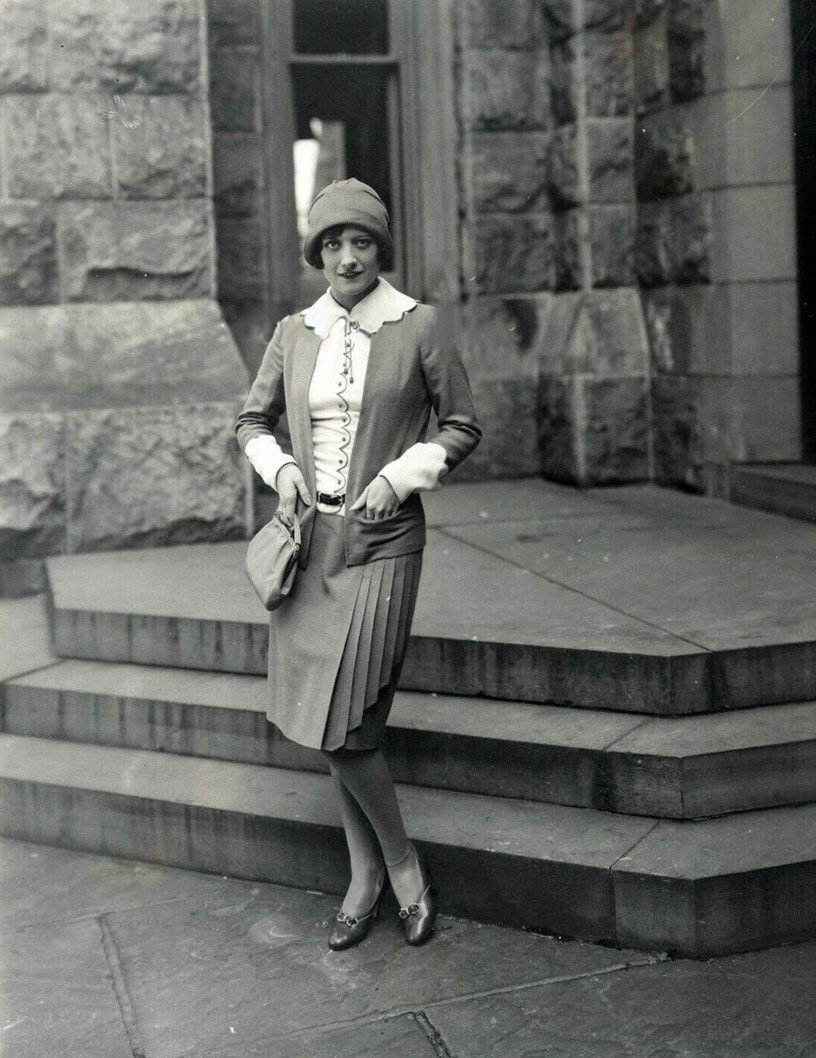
(418, 919)
(348, 930)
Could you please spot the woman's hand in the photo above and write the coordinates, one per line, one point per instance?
(289, 484)
(378, 498)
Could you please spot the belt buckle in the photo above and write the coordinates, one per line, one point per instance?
(330, 501)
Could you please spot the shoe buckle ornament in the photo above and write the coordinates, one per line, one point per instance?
(412, 909)
(346, 920)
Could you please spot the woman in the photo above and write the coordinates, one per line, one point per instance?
(358, 374)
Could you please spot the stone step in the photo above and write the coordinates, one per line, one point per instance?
(484, 627)
(781, 488)
(697, 889)
(674, 768)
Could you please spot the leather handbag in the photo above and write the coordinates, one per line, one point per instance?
(272, 559)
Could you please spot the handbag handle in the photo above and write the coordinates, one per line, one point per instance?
(294, 528)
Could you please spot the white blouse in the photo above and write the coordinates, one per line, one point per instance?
(335, 396)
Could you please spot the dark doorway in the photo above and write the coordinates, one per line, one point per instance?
(804, 103)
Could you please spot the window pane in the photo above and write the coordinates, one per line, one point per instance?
(341, 27)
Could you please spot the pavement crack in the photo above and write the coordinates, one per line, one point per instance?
(120, 990)
(571, 587)
(435, 1037)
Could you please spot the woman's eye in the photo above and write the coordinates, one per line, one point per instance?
(330, 244)
(363, 244)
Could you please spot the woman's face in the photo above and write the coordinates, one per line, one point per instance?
(351, 263)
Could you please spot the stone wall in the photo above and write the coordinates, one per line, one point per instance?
(716, 231)
(553, 323)
(120, 378)
(628, 237)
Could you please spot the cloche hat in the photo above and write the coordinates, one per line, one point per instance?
(347, 202)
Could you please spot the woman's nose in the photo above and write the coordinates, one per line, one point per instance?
(348, 256)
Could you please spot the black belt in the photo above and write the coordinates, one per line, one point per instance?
(331, 501)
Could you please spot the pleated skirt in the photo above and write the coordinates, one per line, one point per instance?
(337, 644)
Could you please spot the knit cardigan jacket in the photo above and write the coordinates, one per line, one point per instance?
(413, 368)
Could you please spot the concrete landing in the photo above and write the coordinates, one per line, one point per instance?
(162, 963)
(637, 599)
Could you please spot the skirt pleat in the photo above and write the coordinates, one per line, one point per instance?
(337, 644)
(375, 664)
(392, 622)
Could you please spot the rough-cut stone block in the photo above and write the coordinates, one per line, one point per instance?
(609, 64)
(560, 17)
(513, 254)
(120, 354)
(593, 431)
(676, 436)
(686, 68)
(609, 147)
(56, 146)
(231, 22)
(162, 151)
(610, 337)
(564, 186)
(567, 252)
(150, 46)
(240, 259)
(646, 11)
(688, 329)
(32, 485)
(237, 174)
(23, 46)
(564, 84)
(665, 156)
(502, 336)
(607, 15)
(500, 24)
(149, 250)
(557, 439)
(507, 414)
(686, 17)
(234, 90)
(615, 421)
(558, 333)
(153, 476)
(507, 170)
(674, 241)
(28, 255)
(612, 239)
(595, 333)
(651, 66)
(506, 90)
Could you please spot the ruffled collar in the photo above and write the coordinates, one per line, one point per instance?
(385, 304)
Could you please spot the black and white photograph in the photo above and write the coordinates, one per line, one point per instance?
(407, 528)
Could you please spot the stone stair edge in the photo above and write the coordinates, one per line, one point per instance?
(638, 834)
(633, 727)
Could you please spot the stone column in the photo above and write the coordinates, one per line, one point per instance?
(120, 379)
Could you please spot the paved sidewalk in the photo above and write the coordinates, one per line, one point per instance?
(106, 958)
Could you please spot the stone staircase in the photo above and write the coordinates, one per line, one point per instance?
(660, 797)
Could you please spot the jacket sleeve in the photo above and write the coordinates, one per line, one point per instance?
(458, 432)
(261, 412)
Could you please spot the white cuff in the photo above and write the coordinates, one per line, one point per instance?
(267, 457)
(417, 470)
